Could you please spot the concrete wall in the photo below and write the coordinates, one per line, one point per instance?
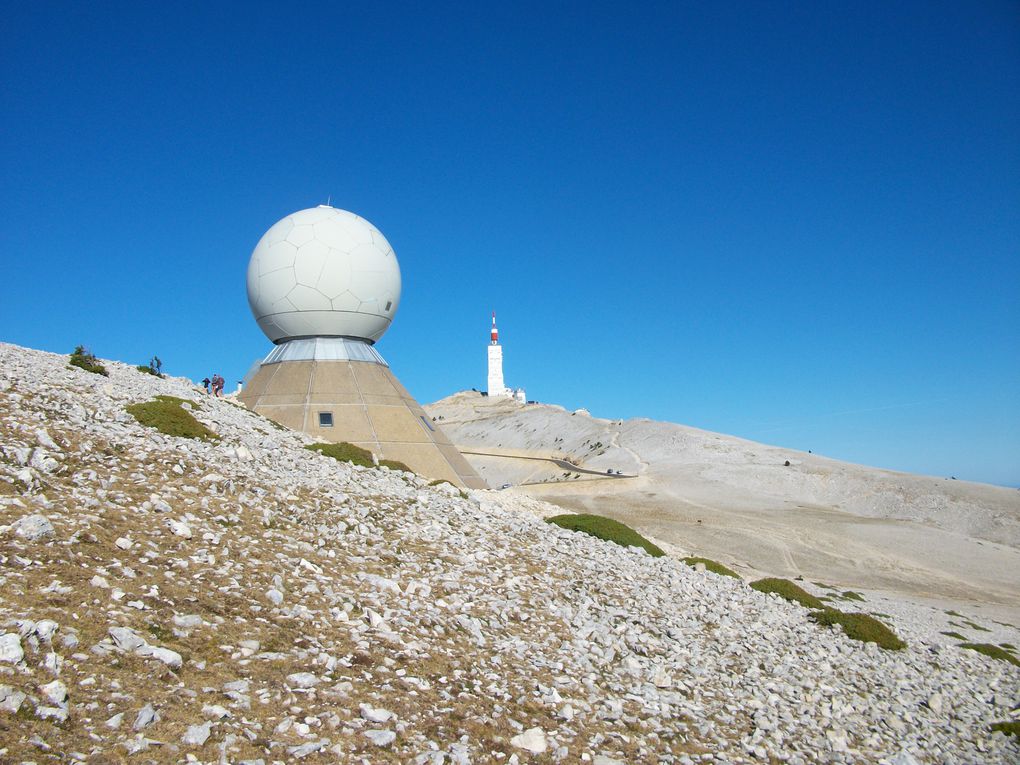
(370, 408)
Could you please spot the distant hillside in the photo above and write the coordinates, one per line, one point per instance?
(719, 467)
(762, 508)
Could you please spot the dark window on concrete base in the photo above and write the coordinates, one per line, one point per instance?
(325, 419)
(425, 422)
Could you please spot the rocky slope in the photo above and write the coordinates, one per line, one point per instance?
(246, 600)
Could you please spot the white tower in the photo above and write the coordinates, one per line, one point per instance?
(496, 386)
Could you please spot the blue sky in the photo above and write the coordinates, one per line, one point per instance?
(796, 223)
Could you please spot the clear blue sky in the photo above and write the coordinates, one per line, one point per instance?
(797, 223)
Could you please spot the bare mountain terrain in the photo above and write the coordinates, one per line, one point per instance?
(760, 509)
(239, 598)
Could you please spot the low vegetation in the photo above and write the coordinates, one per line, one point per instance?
(607, 529)
(83, 359)
(345, 452)
(992, 651)
(395, 465)
(147, 370)
(168, 415)
(787, 590)
(710, 565)
(861, 627)
(975, 626)
(1011, 728)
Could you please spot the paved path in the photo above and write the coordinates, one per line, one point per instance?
(555, 460)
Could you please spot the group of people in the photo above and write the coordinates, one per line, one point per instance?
(215, 385)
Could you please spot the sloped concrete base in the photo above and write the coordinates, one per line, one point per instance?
(369, 408)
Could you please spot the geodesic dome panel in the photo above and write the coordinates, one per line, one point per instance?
(323, 272)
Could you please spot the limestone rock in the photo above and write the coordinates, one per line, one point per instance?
(381, 737)
(11, 651)
(197, 735)
(532, 740)
(33, 527)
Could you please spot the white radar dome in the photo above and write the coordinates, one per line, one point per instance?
(323, 272)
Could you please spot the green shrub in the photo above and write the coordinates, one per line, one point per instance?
(787, 590)
(1009, 728)
(168, 415)
(439, 481)
(975, 626)
(184, 402)
(395, 465)
(710, 565)
(993, 651)
(345, 452)
(851, 595)
(83, 359)
(146, 370)
(605, 528)
(954, 635)
(861, 627)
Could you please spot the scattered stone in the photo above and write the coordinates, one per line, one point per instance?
(303, 680)
(10, 699)
(126, 639)
(55, 692)
(146, 716)
(532, 740)
(188, 621)
(215, 711)
(381, 737)
(372, 714)
(179, 528)
(33, 527)
(303, 750)
(197, 735)
(10, 648)
(171, 658)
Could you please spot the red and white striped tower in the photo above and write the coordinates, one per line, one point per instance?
(496, 385)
